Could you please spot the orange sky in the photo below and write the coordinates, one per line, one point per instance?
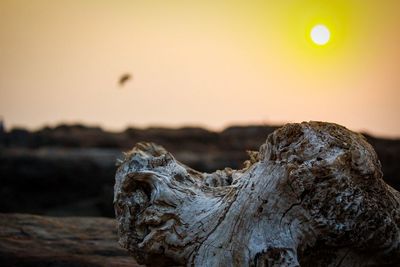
(207, 63)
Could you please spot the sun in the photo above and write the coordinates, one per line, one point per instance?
(320, 34)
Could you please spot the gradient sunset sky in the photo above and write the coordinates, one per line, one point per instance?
(206, 63)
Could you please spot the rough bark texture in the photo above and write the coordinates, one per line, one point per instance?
(313, 195)
(33, 241)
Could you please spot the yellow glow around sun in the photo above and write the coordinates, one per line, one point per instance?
(317, 32)
(320, 34)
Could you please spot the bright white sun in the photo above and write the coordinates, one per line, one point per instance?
(320, 34)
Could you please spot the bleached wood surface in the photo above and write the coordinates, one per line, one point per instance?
(313, 195)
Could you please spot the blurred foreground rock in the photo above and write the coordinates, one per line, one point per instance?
(31, 241)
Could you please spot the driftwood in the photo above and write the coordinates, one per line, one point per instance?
(35, 241)
(313, 195)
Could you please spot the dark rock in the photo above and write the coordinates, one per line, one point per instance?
(68, 170)
(46, 180)
(388, 151)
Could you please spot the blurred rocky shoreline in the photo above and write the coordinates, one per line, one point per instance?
(69, 170)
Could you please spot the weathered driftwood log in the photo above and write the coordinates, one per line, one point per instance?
(312, 196)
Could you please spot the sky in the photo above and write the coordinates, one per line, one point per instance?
(200, 63)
